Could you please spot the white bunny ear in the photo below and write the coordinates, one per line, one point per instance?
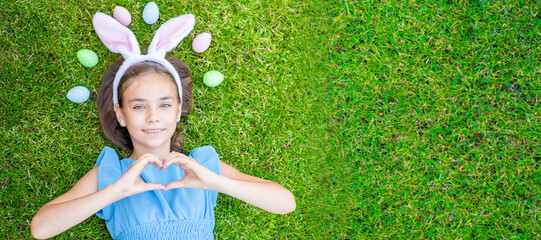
(116, 37)
(170, 34)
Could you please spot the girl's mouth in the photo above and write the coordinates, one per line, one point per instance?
(153, 132)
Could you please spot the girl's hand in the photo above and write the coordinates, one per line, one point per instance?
(195, 174)
(131, 183)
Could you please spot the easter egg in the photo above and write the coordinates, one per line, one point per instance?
(122, 15)
(213, 78)
(202, 42)
(151, 13)
(87, 57)
(78, 94)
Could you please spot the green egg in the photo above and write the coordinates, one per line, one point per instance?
(213, 78)
(87, 57)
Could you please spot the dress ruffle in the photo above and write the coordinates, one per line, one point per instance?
(108, 173)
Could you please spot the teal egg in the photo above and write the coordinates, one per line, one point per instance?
(213, 78)
(151, 13)
(78, 94)
(87, 57)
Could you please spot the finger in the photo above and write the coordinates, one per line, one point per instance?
(152, 186)
(144, 187)
(173, 158)
(169, 159)
(137, 167)
(151, 159)
(174, 184)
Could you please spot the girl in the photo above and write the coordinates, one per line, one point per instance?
(157, 192)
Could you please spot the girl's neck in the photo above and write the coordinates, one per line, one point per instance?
(161, 153)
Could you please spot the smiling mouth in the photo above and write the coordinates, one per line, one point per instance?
(153, 132)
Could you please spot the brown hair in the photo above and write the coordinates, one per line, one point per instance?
(111, 127)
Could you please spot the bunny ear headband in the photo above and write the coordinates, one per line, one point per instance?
(120, 39)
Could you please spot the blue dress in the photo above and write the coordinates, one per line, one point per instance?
(182, 213)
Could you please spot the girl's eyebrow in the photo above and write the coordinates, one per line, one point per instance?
(166, 98)
(145, 100)
(137, 100)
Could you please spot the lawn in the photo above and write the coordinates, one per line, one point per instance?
(386, 119)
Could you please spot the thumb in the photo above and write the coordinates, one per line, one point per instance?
(175, 184)
(152, 186)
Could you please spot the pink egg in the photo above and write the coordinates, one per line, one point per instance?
(122, 15)
(201, 42)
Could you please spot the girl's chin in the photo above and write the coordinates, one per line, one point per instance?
(152, 142)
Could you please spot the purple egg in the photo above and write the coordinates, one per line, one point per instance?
(122, 15)
(202, 42)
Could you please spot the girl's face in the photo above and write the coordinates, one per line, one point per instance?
(151, 110)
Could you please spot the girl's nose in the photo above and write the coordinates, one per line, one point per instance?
(152, 115)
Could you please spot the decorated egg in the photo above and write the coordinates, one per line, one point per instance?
(78, 94)
(151, 13)
(202, 42)
(213, 78)
(122, 15)
(87, 57)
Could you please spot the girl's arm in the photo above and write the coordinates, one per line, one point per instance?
(84, 199)
(261, 193)
(71, 208)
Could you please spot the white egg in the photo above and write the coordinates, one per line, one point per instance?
(202, 42)
(151, 13)
(78, 94)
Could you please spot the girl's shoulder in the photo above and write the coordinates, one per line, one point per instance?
(204, 149)
(110, 167)
(204, 152)
(107, 155)
(207, 156)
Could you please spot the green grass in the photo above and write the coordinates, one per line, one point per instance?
(386, 119)
(438, 114)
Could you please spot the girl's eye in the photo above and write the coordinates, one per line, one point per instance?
(166, 105)
(138, 107)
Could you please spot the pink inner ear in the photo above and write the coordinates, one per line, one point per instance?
(171, 33)
(114, 35)
(167, 34)
(121, 44)
(161, 44)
